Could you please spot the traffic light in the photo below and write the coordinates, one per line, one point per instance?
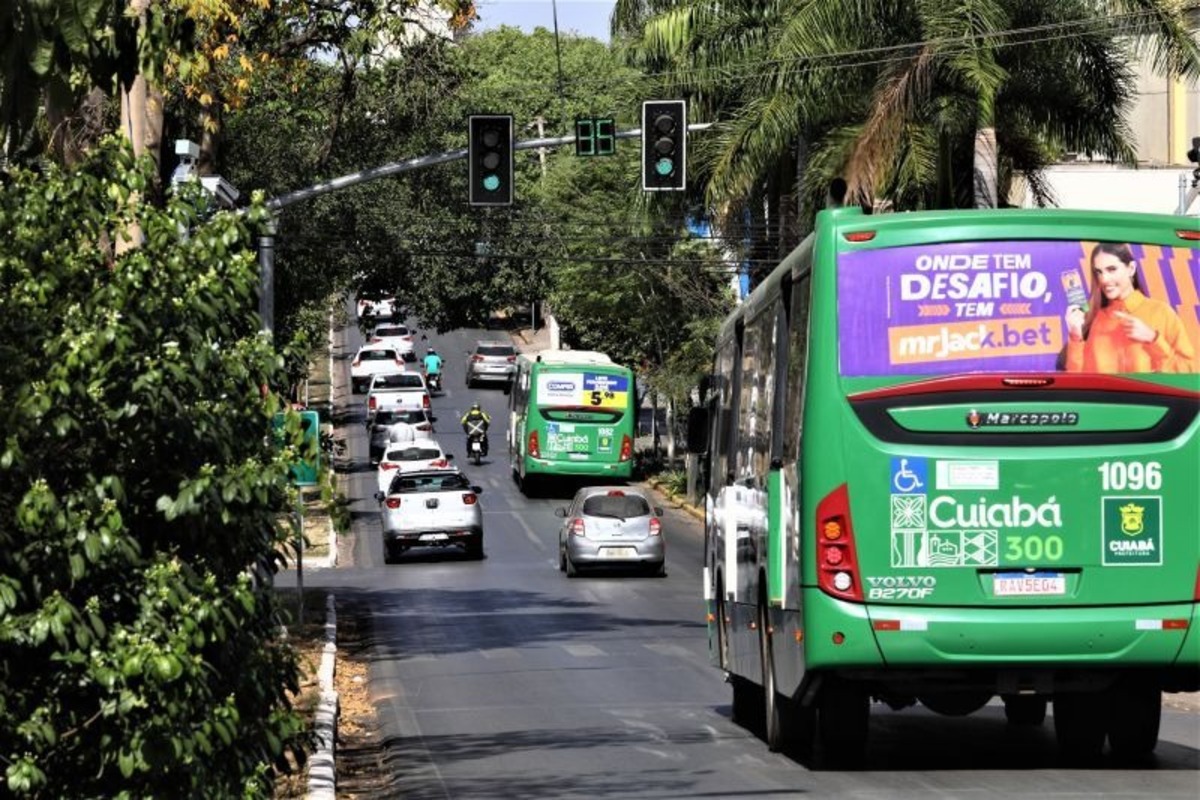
(490, 155)
(664, 145)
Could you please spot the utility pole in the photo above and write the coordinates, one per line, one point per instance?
(540, 122)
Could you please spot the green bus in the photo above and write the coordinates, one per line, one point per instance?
(950, 456)
(571, 414)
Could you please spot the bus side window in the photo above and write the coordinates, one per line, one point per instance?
(780, 377)
(723, 427)
(797, 363)
(750, 402)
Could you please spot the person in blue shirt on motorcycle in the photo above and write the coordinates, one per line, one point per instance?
(433, 367)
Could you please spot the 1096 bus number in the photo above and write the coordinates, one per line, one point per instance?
(1118, 476)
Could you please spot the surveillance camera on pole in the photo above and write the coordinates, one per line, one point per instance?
(664, 145)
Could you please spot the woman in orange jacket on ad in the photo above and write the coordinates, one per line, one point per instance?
(1123, 330)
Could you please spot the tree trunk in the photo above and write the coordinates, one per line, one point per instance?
(986, 156)
(671, 432)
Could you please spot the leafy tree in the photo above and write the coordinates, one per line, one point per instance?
(139, 650)
(897, 97)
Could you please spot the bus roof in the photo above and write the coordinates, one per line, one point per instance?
(568, 357)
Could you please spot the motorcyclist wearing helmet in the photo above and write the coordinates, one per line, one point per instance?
(433, 362)
(475, 423)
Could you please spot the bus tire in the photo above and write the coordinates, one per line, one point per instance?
(1135, 712)
(1024, 709)
(773, 713)
(843, 714)
(1080, 725)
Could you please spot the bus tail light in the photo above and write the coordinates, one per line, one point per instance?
(837, 563)
(577, 528)
(1188, 233)
(655, 527)
(1196, 591)
(534, 450)
(626, 448)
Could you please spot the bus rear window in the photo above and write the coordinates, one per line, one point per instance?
(554, 414)
(1017, 306)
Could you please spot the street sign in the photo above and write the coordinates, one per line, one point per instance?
(304, 471)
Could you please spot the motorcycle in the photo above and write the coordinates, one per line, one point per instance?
(475, 448)
(435, 382)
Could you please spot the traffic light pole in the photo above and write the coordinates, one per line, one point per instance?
(266, 241)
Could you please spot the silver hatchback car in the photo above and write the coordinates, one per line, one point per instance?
(491, 361)
(611, 525)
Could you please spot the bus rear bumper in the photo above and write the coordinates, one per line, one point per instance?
(1008, 650)
(913, 636)
(542, 466)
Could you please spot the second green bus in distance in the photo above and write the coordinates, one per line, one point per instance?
(571, 414)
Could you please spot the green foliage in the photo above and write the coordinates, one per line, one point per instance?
(138, 631)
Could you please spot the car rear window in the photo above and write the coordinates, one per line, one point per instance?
(623, 505)
(400, 380)
(428, 483)
(377, 355)
(397, 331)
(414, 454)
(495, 350)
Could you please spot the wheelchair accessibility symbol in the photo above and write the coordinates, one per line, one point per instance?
(909, 475)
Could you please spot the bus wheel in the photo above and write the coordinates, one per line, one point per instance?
(1135, 713)
(843, 711)
(1080, 725)
(1024, 709)
(773, 722)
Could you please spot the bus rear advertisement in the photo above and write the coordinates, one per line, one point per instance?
(953, 456)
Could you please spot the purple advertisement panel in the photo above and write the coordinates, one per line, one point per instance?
(1018, 306)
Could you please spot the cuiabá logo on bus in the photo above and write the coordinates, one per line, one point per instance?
(1132, 531)
(949, 512)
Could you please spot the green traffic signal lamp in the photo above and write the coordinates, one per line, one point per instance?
(490, 159)
(664, 145)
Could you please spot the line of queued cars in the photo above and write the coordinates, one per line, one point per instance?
(424, 499)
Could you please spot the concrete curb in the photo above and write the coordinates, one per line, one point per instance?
(693, 511)
(322, 778)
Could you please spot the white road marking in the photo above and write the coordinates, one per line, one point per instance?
(583, 650)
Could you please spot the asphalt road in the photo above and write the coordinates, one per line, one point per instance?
(503, 678)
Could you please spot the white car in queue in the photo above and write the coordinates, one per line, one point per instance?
(431, 508)
(394, 334)
(372, 360)
(397, 391)
(412, 456)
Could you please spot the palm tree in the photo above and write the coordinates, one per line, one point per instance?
(926, 104)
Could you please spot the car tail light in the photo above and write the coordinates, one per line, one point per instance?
(374, 340)
(425, 401)
(356, 362)
(406, 338)
(837, 563)
(392, 502)
(477, 359)
(615, 493)
(469, 499)
(626, 448)
(511, 359)
(655, 527)
(534, 450)
(439, 462)
(577, 528)
(424, 426)
(371, 403)
(399, 361)
(388, 465)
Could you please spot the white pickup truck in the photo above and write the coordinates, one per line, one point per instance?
(370, 360)
(397, 391)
